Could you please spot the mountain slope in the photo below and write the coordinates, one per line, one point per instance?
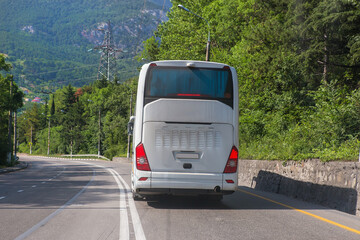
(47, 41)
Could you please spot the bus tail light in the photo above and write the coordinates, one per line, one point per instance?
(142, 162)
(231, 165)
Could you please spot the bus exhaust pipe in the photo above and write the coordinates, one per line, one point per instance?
(217, 189)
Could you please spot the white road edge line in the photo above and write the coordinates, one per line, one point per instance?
(124, 230)
(124, 233)
(139, 232)
(137, 226)
(48, 218)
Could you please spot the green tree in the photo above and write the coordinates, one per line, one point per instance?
(10, 101)
(326, 33)
(52, 110)
(29, 125)
(151, 50)
(286, 54)
(183, 36)
(71, 121)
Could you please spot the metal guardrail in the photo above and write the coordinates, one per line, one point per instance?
(85, 155)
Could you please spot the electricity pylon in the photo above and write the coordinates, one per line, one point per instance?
(107, 64)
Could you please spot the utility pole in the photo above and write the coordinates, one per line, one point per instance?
(48, 149)
(99, 139)
(49, 116)
(107, 64)
(9, 124)
(15, 132)
(71, 143)
(207, 57)
(31, 139)
(129, 136)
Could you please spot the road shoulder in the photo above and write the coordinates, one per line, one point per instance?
(17, 167)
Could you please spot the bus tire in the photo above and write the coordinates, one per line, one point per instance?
(137, 197)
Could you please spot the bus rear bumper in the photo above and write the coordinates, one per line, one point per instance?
(180, 192)
(187, 183)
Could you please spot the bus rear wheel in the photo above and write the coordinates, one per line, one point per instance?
(137, 197)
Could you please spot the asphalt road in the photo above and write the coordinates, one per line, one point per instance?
(65, 199)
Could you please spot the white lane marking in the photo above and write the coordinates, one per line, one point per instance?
(2, 198)
(137, 226)
(50, 179)
(124, 233)
(33, 186)
(124, 221)
(139, 232)
(42, 182)
(48, 218)
(20, 191)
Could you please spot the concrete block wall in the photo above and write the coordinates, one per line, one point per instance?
(332, 184)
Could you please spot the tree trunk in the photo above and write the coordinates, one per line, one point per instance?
(326, 60)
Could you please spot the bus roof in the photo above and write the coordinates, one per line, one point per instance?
(188, 63)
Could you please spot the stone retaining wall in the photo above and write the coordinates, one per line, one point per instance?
(333, 184)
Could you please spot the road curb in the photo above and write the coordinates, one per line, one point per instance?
(20, 166)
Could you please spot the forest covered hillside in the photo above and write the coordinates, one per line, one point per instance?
(298, 65)
(48, 41)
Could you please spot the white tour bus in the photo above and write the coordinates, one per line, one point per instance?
(185, 132)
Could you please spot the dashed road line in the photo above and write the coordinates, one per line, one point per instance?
(19, 191)
(33, 186)
(2, 198)
(48, 218)
(126, 201)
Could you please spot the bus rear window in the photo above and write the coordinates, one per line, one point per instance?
(189, 83)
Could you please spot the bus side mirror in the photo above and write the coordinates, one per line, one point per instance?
(130, 125)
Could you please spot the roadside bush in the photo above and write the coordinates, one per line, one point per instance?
(328, 130)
